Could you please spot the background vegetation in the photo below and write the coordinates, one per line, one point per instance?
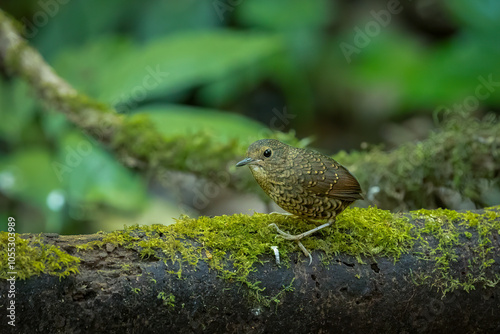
(412, 87)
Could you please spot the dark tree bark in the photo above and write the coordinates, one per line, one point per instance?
(117, 292)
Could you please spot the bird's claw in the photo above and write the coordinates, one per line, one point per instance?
(285, 235)
(305, 251)
(297, 238)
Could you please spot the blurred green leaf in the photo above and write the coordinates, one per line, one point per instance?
(83, 66)
(230, 89)
(28, 175)
(286, 15)
(76, 22)
(301, 25)
(17, 110)
(122, 75)
(68, 23)
(173, 120)
(410, 76)
(477, 14)
(91, 175)
(156, 18)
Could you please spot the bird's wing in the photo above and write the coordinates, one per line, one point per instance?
(329, 178)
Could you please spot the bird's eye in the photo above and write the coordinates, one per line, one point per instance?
(267, 153)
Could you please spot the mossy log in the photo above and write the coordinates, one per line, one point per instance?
(197, 276)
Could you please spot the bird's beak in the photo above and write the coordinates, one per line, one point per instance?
(247, 161)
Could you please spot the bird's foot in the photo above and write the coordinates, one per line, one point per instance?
(289, 236)
(305, 251)
(297, 238)
(285, 235)
(281, 213)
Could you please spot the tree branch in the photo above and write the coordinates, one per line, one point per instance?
(135, 140)
(220, 275)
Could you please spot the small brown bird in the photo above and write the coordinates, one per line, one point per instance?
(303, 182)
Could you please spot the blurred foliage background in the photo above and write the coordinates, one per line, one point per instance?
(348, 75)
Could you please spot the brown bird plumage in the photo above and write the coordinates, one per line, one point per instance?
(303, 182)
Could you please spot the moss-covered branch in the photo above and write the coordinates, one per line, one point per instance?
(374, 271)
(19, 58)
(135, 139)
(457, 167)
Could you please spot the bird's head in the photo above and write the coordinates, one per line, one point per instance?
(264, 154)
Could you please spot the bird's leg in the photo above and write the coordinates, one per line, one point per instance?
(281, 213)
(288, 236)
(302, 235)
(305, 251)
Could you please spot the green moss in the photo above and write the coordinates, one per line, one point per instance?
(441, 233)
(261, 300)
(234, 245)
(81, 103)
(460, 158)
(168, 300)
(138, 135)
(33, 257)
(365, 232)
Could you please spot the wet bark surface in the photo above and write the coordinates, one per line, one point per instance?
(118, 292)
